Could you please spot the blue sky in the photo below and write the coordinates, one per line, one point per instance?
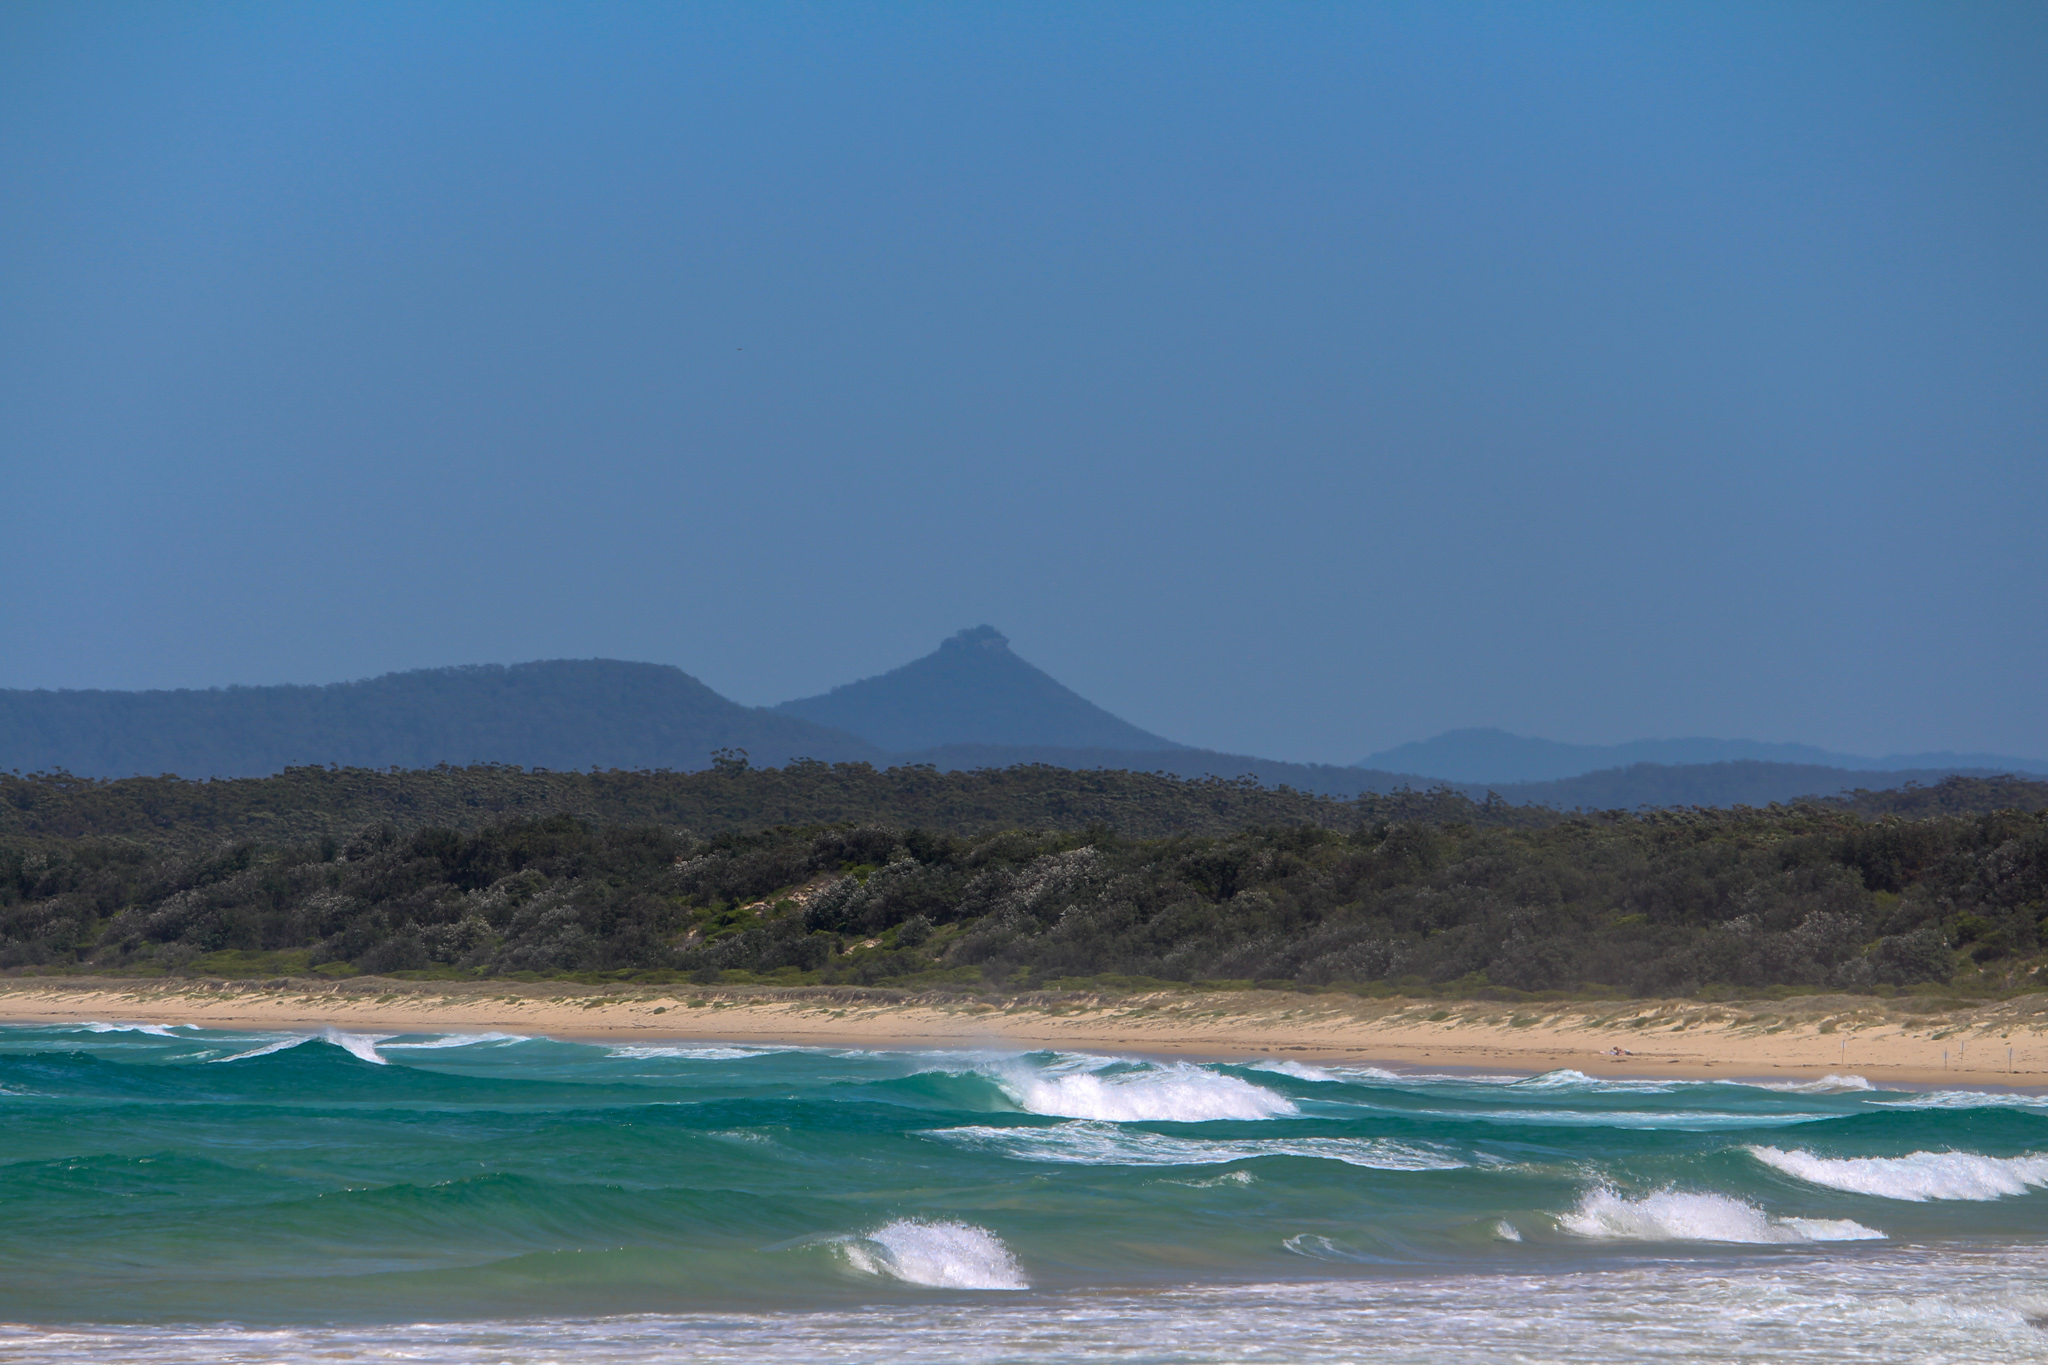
(1296, 380)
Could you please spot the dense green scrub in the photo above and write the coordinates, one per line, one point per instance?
(307, 804)
(1445, 895)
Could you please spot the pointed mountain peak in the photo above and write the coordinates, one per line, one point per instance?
(970, 690)
(988, 637)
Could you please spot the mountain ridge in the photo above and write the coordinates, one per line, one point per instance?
(1488, 754)
(558, 713)
(617, 715)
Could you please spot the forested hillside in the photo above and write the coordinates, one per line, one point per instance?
(316, 803)
(1015, 879)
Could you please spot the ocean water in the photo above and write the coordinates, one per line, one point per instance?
(179, 1194)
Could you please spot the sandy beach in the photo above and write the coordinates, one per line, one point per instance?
(1914, 1043)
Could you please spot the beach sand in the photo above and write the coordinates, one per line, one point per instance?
(1896, 1042)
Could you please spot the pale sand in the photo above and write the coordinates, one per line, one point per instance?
(1886, 1042)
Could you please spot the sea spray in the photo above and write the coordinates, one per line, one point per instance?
(939, 1255)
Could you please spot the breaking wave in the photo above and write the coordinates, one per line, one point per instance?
(1915, 1178)
(939, 1255)
(1173, 1093)
(1967, 1099)
(1829, 1084)
(1669, 1216)
(363, 1045)
(459, 1040)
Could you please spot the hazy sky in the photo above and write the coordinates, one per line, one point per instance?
(1292, 379)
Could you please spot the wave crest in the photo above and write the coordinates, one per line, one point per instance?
(1916, 1177)
(940, 1255)
(1670, 1216)
(1830, 1084)
(1174, 1093)
(360, 1045)
(448, 1040)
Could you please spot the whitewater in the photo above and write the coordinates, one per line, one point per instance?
(176, 1194)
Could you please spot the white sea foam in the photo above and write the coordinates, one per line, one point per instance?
(1216, 1181)
(459, 1040)
(1089, 1143)
(1301, 1071)
(1506, 1231)
(363, 1045)
(1681, 1120)
(648, 1051)
(1827, 1085)
(1917, 1177)
(274, 1045)
(1966, 1099)
(1174, 1093)
(155, 1030)
(1877, 1307)
(1566, 1079)
(1317, 1247)
(941, 1255)
(1671, 1216)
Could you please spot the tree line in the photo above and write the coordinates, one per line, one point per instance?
(1204, 885)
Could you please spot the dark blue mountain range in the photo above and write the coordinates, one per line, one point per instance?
(1488, 755)
(971, 703)
(970, 690)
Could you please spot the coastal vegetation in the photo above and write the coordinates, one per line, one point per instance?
(1020, 878)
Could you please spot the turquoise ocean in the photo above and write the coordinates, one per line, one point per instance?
(181, 1194)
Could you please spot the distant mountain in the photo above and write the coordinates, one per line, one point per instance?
(970, 690)
(1742, 783)
(1488, 755)
(972, 704)
(561, 714)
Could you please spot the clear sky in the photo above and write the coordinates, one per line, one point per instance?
(1291, 379)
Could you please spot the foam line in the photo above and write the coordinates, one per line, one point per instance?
(1104, 1144)
(275, 1045)
(640, 1052)
(458, 1040)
